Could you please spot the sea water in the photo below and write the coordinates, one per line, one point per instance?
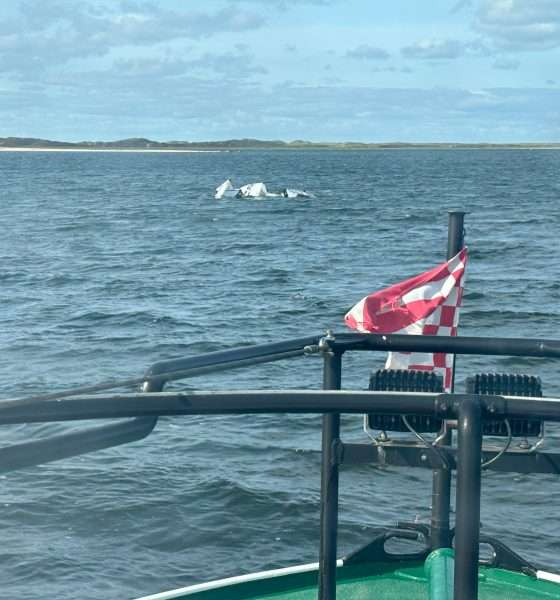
(113, 261)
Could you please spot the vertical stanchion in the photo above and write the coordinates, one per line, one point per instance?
(455, 243)
(440, 535)
(467, 522)
(153, 386)
(329, 483)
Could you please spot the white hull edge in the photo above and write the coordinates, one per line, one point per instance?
(554, 577)
(220, 583)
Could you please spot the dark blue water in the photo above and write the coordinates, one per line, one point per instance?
(113, 261)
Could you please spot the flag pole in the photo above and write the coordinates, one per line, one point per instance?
(455, 243)
(440, 536)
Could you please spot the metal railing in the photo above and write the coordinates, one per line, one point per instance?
(469, 410)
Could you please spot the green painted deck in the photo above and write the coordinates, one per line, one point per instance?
(381, 582)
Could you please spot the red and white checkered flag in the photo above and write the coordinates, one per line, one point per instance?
(427, 304)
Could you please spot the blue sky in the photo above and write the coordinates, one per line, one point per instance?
(320, 70)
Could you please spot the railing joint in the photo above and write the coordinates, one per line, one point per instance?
(337, 452)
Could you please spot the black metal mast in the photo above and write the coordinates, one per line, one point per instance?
(441, 488)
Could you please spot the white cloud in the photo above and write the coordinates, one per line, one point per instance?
(366, 52)
(287, 4)
(434, 49)
(520, 24)
(49, 34)
(460, 5)
(506, 64)
(172, 69)
(189, 106)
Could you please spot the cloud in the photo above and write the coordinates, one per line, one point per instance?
(365, 52)
(140, 23)
(44, 35)
(520, 24)
(171, 69)
(236, 66)
(459, 6)
(185, 104)
(506, 64)
(434, 49)
(287, 4)
(387, 69)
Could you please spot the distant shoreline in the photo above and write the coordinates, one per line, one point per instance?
(324, 148)
(17, 144)
(80, 149)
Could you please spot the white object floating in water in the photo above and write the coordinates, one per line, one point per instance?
(226, 190)
(256, 190)
(291, 193)
(253, 190)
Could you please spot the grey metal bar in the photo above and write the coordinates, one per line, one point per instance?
(455, 243)
(395, 454)
(458, 345)
(146, 406)
(216, 402)
(467, 520)
(455, 232)
(193, 366)
(74, 443)
(329, 484)
(440, 531)
(250, 355)
(268, 401)
(238, 363)
(408, 455)
(247, 355)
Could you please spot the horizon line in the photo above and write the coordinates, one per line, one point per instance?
(26, 142)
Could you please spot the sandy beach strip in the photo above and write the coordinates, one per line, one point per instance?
(137, 150)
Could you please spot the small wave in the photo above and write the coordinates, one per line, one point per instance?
(74, 226)
(121, 319)
(473, 295)
(506, 315)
